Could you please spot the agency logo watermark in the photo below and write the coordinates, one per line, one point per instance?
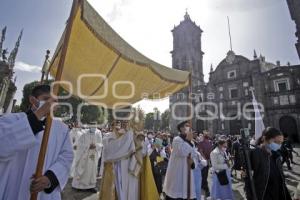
(186, 106)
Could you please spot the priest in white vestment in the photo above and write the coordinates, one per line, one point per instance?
(89, 148)
(20, 140)
(176, 180)
(120, 178)
(75, 134)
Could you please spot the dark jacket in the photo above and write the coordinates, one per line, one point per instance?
(236, 152)
(262, 162)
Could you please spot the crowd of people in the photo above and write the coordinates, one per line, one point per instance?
(129, 162)
(203, 153)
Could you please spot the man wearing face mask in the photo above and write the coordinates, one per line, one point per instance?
(125, 176)
(269, 180)
(89, 148)
(21, 135)
(176, 180)
(205, 146)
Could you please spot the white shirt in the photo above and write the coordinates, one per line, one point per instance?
(217, 158)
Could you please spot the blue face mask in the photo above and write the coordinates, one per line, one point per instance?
(274, 146)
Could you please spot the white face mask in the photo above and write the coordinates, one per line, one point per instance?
(186, 129)
(41, 103)
(150, 136)
(224, 149)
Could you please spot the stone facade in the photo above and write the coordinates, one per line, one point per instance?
(7, 84)
(221, 104)
(276, 87)
(282, 99)
(294, 7)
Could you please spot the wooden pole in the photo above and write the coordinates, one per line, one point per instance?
(190, 122)
(43, 149)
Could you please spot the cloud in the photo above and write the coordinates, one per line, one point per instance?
(111, 10)
(114, 14)
(22, 66)
(241, 5)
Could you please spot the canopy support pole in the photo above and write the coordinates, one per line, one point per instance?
(190, 99)
(190, 122)
(44, 144)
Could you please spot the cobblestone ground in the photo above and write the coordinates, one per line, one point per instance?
(292, 179)
(70, 194)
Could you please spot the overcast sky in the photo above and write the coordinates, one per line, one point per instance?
(264, 25)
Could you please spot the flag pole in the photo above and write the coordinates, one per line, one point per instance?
(190, 122)
(43, 149)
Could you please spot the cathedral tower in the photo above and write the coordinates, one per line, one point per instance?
(187, 55)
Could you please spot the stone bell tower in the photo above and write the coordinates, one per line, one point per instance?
(187, 55)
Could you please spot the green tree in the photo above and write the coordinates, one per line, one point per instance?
(165, 120)
(157, 119)
(149, 121)
(153, 120)
(92, 113)
(16, 109)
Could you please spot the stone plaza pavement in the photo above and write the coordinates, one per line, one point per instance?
(292, 179)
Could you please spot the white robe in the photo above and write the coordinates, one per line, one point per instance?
(175, 185)
(85, 173)
(19, 149)
(75, 134)
(119, 151)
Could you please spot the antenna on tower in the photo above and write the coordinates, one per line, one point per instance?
(229, 33)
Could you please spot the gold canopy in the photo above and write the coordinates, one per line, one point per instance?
(102, 68)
